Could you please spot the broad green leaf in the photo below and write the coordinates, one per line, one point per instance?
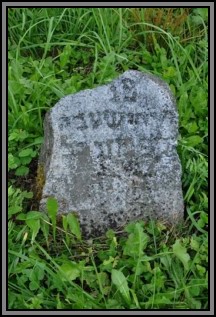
(181, 253)
(195, 304)
(38, 273)
(45, 227)
(21, 216)
(197, 19)
(104, 282)
(34, 225)
(110, 260)
(120, 281)
(65, 56)
(70, 271)
(64, 222)
(183, 101)
(22, 171)
(33, 285)
(28, 194)
(11, 191)
(14, 210)
(65, 226)
(18, 135)
(146, 258)
(25, 152)
(25, 160)
(194, 287)
(103, 277)
(114, 304)
(33, 215)
(203, 12)
(194, 244)
(203, 220)
(38, 140)
(199, 100)
(136, 242)
(36, 302)
(52, 209)
(201, 269)
(110, 234)
(12, 162)
(170, 72)
(14, 135)
(74, 225)
(193, 140)
(158, 299)
(192, 127)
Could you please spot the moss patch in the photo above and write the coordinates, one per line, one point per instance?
(40, 181)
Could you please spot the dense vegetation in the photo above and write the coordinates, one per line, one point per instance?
(58, 51)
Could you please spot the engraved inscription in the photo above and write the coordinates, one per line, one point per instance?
(95, 119)
(80, 118)
(111, 119)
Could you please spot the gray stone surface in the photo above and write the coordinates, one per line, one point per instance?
(110, 154)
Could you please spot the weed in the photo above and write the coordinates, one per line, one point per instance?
(53, 52)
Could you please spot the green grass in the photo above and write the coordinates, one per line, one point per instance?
(55, 52)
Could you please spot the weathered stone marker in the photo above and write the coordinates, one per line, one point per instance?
(109, 154)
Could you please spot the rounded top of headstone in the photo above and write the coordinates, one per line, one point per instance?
(141, 79)
(128, 89)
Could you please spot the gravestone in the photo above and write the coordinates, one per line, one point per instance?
(109, 154)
